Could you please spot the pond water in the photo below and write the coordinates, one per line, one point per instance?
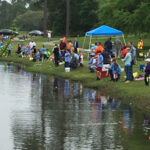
(38, 112)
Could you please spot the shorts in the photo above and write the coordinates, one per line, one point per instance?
(67, 64)
(99, 69)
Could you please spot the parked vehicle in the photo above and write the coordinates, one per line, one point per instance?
(36, 33)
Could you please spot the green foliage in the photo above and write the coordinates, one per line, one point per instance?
(4, 49)
(5, 14)
(82, 16)
(31, 20)
(131, 16)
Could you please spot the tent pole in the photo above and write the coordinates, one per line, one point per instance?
(90, 42)
(84, 42)
(124, 39)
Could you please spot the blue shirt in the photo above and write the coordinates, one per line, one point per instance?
(92, 61)
(67, 57)
(23, 49)
(127, 60)
(43, 50)
(9, 47)
(75, 44)
(28, 51)
(115, 68)
(1, 44)
(93, 47)
(38, 55)
(100, 61)
(76, 56)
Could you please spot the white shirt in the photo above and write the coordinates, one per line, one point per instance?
(31, 44)
(49, 35)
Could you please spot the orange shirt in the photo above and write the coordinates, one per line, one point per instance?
(70, 46)
(99, 48)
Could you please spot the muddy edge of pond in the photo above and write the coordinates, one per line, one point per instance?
(128, 93)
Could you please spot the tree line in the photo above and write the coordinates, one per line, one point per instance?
(75, 17)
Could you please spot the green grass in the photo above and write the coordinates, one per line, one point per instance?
(135, 93)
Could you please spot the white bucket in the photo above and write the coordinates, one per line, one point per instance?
(67, 69)
(105, 67)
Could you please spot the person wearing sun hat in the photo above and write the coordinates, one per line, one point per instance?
(147, 71)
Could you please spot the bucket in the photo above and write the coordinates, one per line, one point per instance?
(142, 67)
(67, 69)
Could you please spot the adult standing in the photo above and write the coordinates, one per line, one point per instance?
(108, 45)
(117, 44)
(75, 45)
(49, 35)
(62, 47)
(31, 45)
(133, 52)
(133, 56)
(106, 56)
(128, 66)
(56, 54)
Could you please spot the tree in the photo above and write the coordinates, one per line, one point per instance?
(31, 20)
(45, 18)
(129, 16)
(67, 17)
(88, 15)
(5, 9)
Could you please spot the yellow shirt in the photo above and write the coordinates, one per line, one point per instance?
(140, 45)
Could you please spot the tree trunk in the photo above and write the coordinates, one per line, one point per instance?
(67, 17)
(45, 18)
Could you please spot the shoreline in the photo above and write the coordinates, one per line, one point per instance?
(119, 90)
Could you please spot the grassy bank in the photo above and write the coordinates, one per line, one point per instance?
(135, 93)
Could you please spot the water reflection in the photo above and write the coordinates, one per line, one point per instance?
(50, 113)
(127, 119)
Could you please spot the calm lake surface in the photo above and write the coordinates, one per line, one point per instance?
(47, 113)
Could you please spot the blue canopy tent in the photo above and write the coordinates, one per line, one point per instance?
(103, 31)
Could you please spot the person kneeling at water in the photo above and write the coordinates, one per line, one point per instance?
(92, 63)
(38, 56)
(74, 60)
(67, 58)
(114, 71)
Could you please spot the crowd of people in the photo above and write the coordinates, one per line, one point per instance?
(102, 57)
(65, 52)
